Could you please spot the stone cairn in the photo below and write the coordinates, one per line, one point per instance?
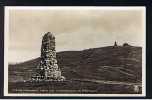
(48, 69)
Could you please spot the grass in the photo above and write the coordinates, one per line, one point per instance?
(119, 65)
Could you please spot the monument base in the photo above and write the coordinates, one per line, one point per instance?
(42, 78)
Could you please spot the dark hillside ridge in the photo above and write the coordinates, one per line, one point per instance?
(120, 63)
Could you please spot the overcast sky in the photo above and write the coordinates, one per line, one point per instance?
(74, 29)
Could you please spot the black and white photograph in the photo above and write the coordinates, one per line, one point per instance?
(75, 51)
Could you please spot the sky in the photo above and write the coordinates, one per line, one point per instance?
(75, 28)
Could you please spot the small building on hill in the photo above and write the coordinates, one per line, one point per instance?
(126, 45)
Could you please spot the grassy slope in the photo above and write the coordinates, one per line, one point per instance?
(106, 63)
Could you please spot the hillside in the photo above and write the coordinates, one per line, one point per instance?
(123, 64)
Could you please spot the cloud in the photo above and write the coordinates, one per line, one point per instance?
(74, 29)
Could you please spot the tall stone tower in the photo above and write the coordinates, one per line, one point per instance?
(48, 68)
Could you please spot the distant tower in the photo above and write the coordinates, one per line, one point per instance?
(48, 68)
(115, 44)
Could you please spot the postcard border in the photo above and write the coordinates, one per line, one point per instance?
(6, 39)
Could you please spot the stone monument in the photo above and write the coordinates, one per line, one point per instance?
(115, 44)
(48, 69)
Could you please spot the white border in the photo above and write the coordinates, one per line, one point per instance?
(6, 41)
